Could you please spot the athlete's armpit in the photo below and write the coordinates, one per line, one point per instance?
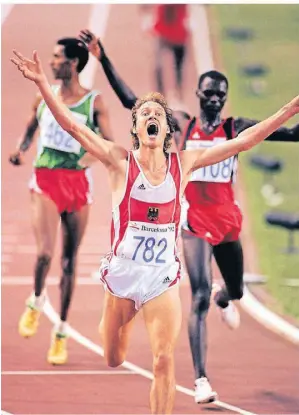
(181, 122)
(101, 118)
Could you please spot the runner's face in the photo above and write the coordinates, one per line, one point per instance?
(151, 125)
(212, 95)
(60, 65)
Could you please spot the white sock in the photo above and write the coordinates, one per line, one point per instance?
(37, 302)
(61, 327)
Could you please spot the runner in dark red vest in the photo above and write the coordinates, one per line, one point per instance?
(212, 221)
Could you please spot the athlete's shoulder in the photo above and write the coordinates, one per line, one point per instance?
(180, 119)
(99, 103)
(229, 127)
(94, 92)
(38, 104)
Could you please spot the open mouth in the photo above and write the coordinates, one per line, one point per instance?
(152, 129)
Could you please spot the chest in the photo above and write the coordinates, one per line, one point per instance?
(144, 191)
(155, 177)
(198, 138)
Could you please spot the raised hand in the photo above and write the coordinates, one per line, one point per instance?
(31, 69)
(91, 41)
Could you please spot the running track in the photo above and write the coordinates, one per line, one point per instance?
(252, 369)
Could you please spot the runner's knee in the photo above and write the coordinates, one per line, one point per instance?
(67, 281)
(44, 260)
(201, 301)
(68, 263)
(163, 362)
(114, 359)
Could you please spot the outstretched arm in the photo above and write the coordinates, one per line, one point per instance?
(194, 159)
(107, 152)
(281, 134)
(122, 90)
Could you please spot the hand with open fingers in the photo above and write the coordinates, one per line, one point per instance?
(31, 69)
(91, 41)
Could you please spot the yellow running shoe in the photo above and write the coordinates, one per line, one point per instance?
(57, 354)
(28, 323)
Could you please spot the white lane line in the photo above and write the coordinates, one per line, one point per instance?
(3, 268)
(65, 372)
(5, 10)
(8, 249)
(204, 62)
(90, 259)
(28, 280)
(97, 24)
(6, 258)
(92, 278)
(84, 341)
(269, 319)
(9, 239)
(199, 26)
(90, 250)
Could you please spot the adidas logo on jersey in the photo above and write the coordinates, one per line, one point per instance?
(141, 187)
(166, 279)
(196, 135)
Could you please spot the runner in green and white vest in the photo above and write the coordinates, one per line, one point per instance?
(60, 185)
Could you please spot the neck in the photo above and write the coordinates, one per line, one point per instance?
(70, 86)
(153, 158)
(210, 121)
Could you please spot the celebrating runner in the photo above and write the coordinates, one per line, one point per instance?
(147, 185)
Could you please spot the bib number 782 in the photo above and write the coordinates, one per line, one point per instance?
(147, 246)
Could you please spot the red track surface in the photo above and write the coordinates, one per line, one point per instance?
(252, 368)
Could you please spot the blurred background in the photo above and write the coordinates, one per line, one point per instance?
(255, 46)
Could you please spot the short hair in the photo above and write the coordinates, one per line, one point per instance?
(75, 48)
(218, 76)
(159, 98)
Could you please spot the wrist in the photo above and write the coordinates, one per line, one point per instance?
(289, 109)
(42, 82)
(102, 54)
(22, 148)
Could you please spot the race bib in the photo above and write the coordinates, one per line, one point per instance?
(220, 172)
(149, 244)
(53, 136)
